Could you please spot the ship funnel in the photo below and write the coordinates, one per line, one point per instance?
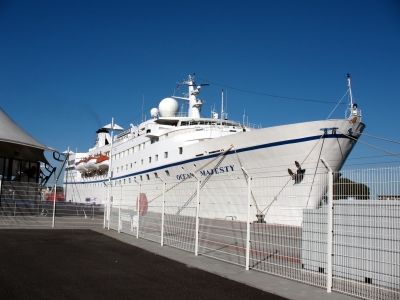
(103, 138)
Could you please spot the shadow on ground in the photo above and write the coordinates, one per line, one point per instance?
(83, 264)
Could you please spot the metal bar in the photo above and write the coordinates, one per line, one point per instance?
(329, 230)
(138, 212)
(54, 204)
(119, 211)
(248, 223)
(163, 215)
(196, 245)
(329, 233)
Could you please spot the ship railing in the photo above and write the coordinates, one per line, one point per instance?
(353, 112)
(184, 130)
(182, 114)
(252, 125)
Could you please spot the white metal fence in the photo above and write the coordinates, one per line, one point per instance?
(340, 232)
(30, 205)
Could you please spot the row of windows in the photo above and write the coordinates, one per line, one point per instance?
(129, 180)
(138, 148)
(134, 149)
(133, 165)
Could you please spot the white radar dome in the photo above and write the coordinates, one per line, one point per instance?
(154, 112)
(168, 107)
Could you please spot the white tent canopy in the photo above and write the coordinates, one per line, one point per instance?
(16, 143)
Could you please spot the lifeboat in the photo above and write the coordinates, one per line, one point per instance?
(80, 166)
(102, 162)
(90, 164)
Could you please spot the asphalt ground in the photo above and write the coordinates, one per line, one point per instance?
(84, 264)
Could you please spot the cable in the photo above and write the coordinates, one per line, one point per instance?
(338, 104)
(246, 177)
(223, 154)
(379, 138)
(266, 209)
(372, 146)
(269, 95)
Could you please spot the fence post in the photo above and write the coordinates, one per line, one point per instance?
(329, 233)
(138, 211)
(196, 245)
(54, 204)
(109, 212)
(119, 210)
(248, 223)
(105, 209)
(162, 214)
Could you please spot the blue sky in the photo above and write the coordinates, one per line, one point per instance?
(68, 67)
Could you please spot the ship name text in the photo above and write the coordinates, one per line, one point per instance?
(208, 172)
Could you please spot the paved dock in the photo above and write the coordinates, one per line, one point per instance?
(273, 285)
(97, 263)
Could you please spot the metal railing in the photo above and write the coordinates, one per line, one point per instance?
(337, 231)
(27, 205)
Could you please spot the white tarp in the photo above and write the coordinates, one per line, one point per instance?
(16, 143)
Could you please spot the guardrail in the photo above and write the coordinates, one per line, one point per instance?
(347, 241)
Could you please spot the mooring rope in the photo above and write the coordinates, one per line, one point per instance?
(276, 197)
(246, 176)
(337, 104)
(202, 167)
(315, 172)
(372, 146)
(379, 138)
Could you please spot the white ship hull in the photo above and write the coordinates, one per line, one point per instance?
(231, 153)
(265, 152)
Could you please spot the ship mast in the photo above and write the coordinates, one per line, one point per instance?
(351, 94)
(194, 103)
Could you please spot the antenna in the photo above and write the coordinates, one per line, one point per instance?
(226, 105)
(222, 105)
(142, 107)
(351, 94)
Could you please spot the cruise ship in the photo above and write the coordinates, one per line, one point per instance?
(175, 147)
